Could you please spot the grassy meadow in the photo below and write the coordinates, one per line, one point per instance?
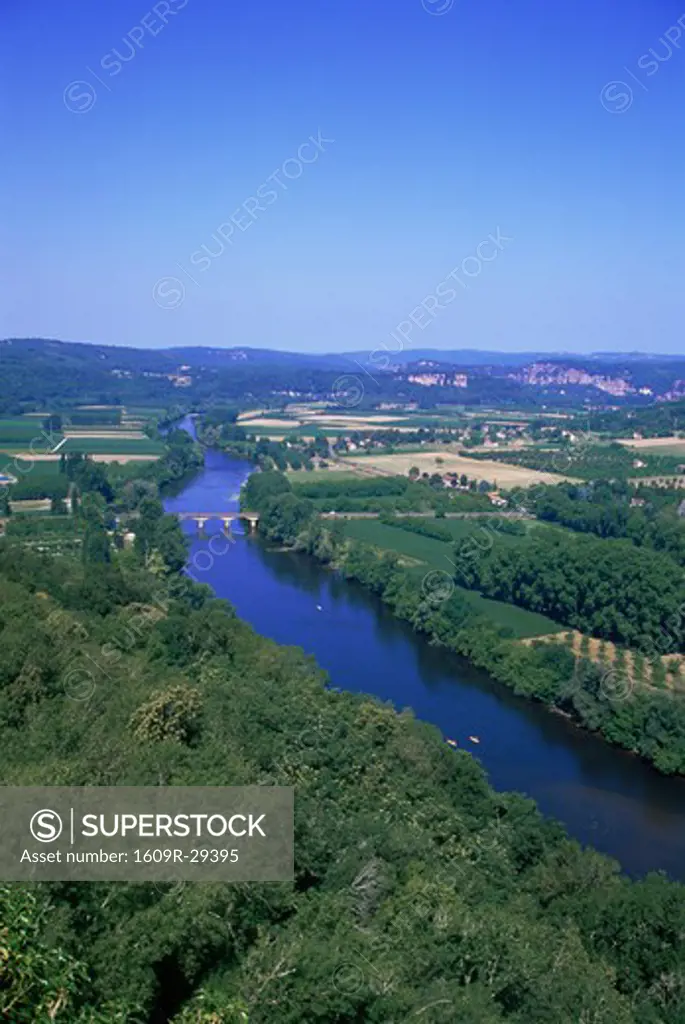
(430, 554)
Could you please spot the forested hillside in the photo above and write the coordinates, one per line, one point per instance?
(417, 886)
(419, 891)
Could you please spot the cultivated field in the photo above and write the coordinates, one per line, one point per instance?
(621, 674)
(657, 445)
(308, 476)
(106, 444)
(124, 458)
(356, 422)
(249, 421)
(96, 457)
(652, 442)
(498, 473)
(113, 435)
(340, 424)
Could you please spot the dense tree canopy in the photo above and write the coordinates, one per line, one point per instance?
(607, 588)
(418, 889)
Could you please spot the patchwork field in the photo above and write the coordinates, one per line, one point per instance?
(302, 418)
(338, 424)
(499, 474)
(24, 440)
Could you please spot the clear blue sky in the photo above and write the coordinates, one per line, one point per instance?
(447, 125)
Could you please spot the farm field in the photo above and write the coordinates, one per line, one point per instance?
(119, 457)
(652, 442)
(336, 424)
(657, 445)
(97, 408)
(114, 434)
(302, 476)
(27, 422)
(53, 460)
(627, 667)
(17, 433)
(248, 421)
(297, 417)
(46, 466)
(435, 554)
(143, 411)
(301, 433)
(11, 451)
(498, 473)
(99, 444)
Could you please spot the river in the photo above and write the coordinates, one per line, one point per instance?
(604, 796)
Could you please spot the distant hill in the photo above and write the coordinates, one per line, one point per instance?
(42, 373)
(205, 356)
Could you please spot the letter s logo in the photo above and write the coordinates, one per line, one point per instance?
(46, 826)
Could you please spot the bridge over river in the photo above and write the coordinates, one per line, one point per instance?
(251, 518)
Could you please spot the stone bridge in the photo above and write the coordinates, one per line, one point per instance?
(251, 518)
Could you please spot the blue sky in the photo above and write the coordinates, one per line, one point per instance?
(442, 124)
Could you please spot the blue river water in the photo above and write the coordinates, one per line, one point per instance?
(605, 797)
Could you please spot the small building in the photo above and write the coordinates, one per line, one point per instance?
(639, 502)
(496, 499)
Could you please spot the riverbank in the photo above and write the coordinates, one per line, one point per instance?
(469, 898)
(650, 725)
(605, 798)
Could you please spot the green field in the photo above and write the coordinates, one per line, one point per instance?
(18, 433)
(27, 422)
(143, 412)
(111, 446)
(436, 554)
(294, 432)
(677, 449)
(433, 552)
(27, 470)
(8, 451)
(309, 476)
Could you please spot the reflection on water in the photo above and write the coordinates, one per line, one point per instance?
(603, 795)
